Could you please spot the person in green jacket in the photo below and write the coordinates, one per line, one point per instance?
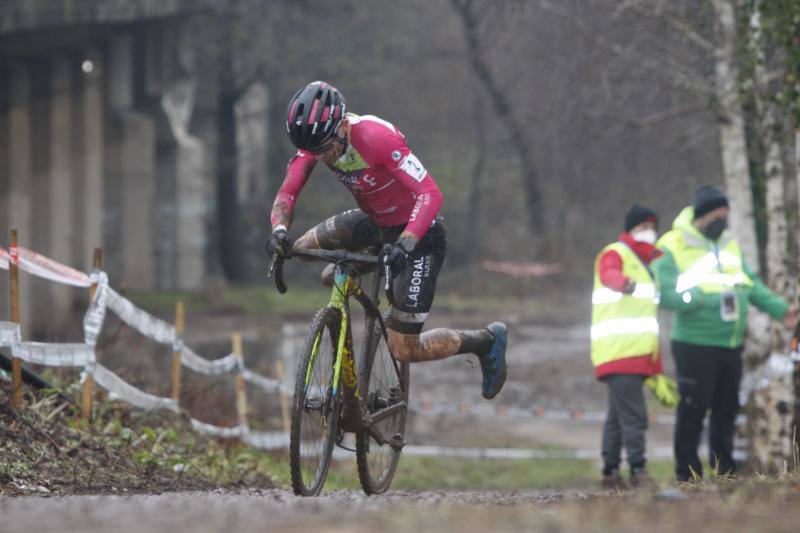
(703, 278)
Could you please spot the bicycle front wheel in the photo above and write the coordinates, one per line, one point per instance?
(315, 410)
(384, 399)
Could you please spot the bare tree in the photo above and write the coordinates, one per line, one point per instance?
(471, 14)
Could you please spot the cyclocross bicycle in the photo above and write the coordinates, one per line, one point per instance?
(332, 398)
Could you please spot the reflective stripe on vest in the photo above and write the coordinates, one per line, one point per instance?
(604, 295)
(624, 325)
(700, 267)
(706, 271)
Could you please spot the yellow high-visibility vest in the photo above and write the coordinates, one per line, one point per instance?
(713, 268)
(624, 325)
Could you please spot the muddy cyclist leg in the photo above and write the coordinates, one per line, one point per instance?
(352, 230)
(438, 343)
(412, 297)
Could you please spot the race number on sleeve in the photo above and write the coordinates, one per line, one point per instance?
(411, 166)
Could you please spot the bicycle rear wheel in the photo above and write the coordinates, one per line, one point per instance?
(384, 399)
(315, 411)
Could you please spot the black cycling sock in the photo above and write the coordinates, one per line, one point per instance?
(477, 341)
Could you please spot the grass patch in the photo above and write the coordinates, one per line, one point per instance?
(447, 473)
(46, 449)
(306, 298)
(245, 299)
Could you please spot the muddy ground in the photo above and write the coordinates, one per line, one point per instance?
(757, 509)
(548, 368)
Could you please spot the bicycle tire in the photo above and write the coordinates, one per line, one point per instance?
(379, 384)
(309, 473)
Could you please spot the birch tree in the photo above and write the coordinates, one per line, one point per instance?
(771, 392)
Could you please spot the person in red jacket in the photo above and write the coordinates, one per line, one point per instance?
(626, 421)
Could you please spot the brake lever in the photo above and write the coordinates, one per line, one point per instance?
(276, 265)
(272, 262)
(387, 274)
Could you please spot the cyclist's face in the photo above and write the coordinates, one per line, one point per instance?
(331, 153)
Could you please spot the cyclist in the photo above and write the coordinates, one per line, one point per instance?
(398, 205)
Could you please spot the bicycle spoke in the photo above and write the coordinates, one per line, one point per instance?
(386, 408)
(316, 412)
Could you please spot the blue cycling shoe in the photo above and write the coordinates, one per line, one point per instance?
(493, 363)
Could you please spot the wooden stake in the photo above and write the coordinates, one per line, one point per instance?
(88, 385)
(241, 392)
(180, 320)
(285, 418)
(16, 364)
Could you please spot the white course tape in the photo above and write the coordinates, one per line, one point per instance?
(9, 333)
(41, 353)
(505, 411)
(517, 453)
(4, 259)
(266, 384)
(141, 321)
(266, 440)
(218, 431)
(128, 393)
(44, 267)
(201, 365)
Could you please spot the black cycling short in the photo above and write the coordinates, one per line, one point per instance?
(413, 288)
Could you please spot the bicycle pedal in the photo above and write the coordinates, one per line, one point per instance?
(397, 442)
(342, 446)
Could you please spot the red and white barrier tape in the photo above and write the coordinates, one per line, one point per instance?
(43, 267)
(522, 270)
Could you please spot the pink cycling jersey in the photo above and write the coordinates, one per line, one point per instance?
(388, 181)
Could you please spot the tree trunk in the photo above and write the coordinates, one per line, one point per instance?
(474, 200)
(773, 393)
(796, 176)
(738, 184)
(231, 259)
(732, 134)
(505, 114)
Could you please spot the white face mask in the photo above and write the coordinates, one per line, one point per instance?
(646, 235)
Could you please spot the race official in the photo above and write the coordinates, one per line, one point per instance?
(703, 278)
(625, 343)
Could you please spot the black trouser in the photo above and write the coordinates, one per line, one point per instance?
(708, 378)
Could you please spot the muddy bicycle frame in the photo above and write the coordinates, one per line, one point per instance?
(345, 285)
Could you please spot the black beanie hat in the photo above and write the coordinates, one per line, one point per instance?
(708, 198)
(638, 214)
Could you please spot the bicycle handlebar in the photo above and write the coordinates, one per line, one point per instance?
(333, 256)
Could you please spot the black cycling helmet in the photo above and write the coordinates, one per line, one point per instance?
(314, 115)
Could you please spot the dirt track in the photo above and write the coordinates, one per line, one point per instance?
(754, 508)
(273, 510)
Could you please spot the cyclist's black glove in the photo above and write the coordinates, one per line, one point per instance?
(278, 243)
(396, 256)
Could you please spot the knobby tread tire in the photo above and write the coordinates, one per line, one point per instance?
(330, 318)
(375, 482)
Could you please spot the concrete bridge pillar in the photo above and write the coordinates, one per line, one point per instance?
(92, 116)
(187, 166)
(62, 184)
(130, 173)
(18, 167)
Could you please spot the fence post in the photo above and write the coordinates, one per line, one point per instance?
(88, 384)
(16, 364)
(241, 392)
(180, 320)
(282, 397)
